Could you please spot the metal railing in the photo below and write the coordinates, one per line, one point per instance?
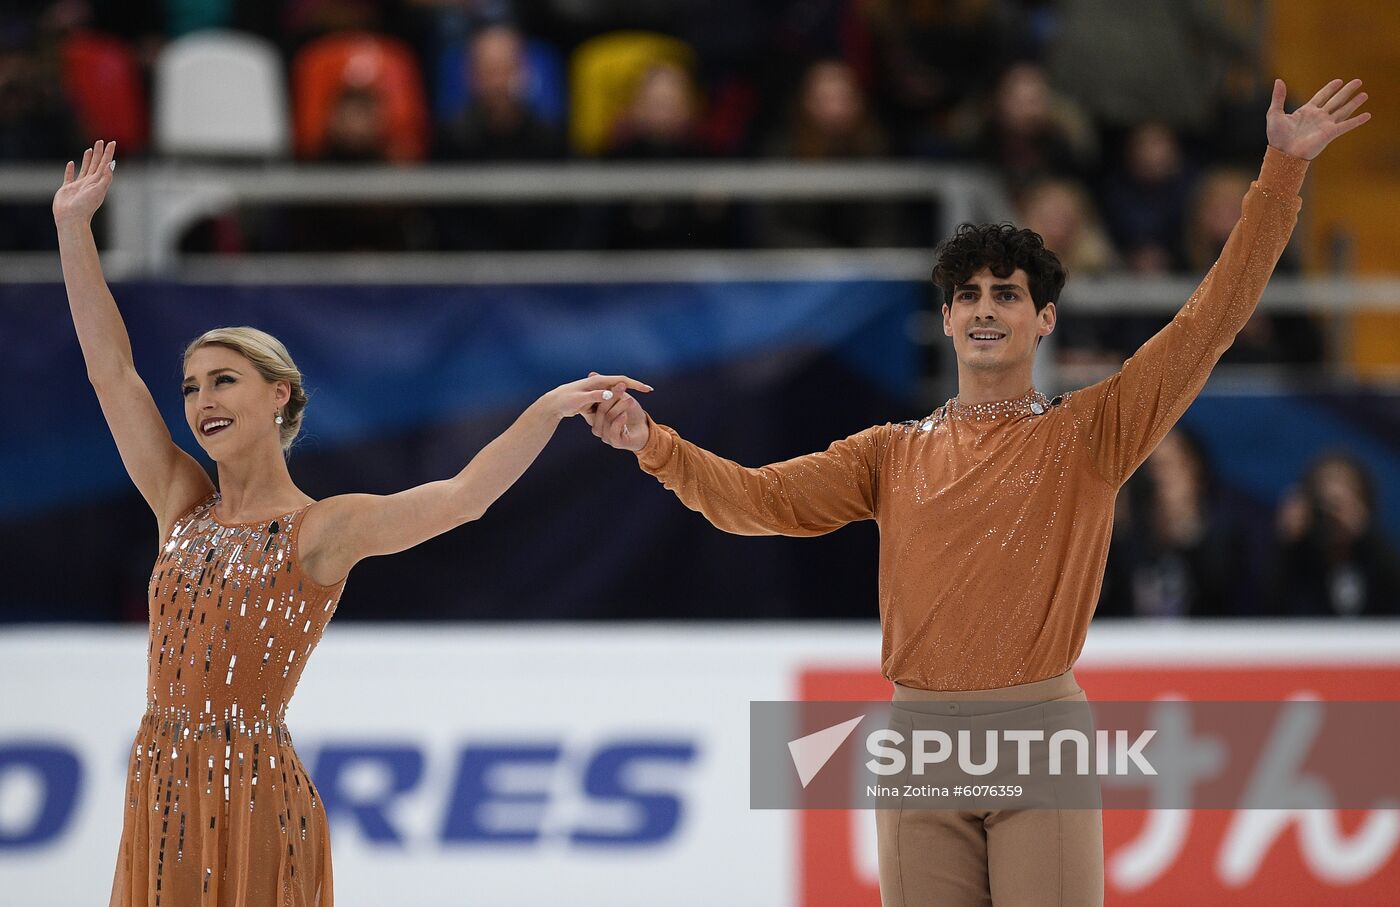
(152, 205)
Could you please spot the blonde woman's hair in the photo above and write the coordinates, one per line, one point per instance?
(270, 357)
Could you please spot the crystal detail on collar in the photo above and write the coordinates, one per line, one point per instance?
(1020, 406)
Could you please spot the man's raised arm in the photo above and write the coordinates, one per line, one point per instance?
(1133, 410)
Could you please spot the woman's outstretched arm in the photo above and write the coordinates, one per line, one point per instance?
(340, 531)
(167, 477)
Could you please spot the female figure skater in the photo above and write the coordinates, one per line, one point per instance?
(219, 810)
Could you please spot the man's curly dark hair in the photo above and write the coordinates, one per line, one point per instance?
(1003, 248)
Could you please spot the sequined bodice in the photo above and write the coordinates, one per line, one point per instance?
(233, 619)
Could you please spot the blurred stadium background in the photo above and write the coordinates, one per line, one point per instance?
(446, 207)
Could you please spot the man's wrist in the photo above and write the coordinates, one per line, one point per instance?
(1281, 171)
(657, 450)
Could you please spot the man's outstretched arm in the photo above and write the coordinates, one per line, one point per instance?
(808, 495)
(1134, 409)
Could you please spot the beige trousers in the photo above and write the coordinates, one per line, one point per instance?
(1038, 857)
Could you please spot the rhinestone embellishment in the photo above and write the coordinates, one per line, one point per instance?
(1032, 402)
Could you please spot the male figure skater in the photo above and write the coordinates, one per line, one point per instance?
(995, 511)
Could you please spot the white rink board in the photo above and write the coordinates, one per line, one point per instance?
(433, 692)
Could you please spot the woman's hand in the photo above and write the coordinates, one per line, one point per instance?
(83, 191)
(587, 393)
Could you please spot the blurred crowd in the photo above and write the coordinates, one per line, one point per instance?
(1125, 134)
(1114, 125)
(1183, 547)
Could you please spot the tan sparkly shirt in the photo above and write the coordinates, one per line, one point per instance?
(995, 519)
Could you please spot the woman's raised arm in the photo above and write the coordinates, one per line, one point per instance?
(168, 478)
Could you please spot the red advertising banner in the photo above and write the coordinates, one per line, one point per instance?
(1166, 858)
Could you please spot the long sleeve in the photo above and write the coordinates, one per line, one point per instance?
(808, 495)
(1132, 410)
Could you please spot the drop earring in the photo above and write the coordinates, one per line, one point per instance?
(278, 418)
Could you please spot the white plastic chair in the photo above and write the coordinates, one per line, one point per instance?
(221, 94)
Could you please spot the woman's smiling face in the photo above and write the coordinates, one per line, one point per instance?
(229, 406)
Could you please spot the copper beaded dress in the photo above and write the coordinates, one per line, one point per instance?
(219, 810)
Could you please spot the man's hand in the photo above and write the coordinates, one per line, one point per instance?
(620, 422)
(583, 396)
(1307, 130)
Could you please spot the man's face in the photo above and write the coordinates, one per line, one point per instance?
(1001, 309)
